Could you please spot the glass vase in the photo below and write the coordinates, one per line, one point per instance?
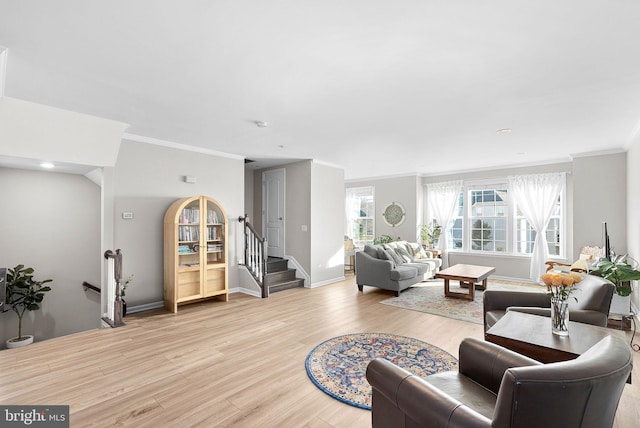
(559, 316)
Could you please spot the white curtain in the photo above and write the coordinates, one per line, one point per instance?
(441, 203)
(536, 195)
(352, 211)
(353, 208)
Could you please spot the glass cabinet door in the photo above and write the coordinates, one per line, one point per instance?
(214, 256)
(189, 251)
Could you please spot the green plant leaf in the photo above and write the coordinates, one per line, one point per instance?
(24, 292)
(623, 290)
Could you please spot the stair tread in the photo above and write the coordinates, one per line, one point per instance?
(280, 272)
(285, 285)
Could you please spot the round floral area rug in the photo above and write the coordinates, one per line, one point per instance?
(338, 366)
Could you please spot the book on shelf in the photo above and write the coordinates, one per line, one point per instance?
(214, 218)
(188, 233)
(214, 247)
(186, 249)
(189, 216)
(213, 233)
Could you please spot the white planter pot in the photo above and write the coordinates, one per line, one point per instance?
(620, 305)
(12, 343)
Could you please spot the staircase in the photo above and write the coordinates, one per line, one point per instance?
(271, 273)
(279, 277)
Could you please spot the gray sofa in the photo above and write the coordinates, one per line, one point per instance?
(393, 267)
(412, 252)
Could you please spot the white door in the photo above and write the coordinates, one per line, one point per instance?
(273, 211)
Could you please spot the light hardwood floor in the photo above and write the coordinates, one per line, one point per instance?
(236, 363)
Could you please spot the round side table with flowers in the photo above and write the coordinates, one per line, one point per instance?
(559, 288)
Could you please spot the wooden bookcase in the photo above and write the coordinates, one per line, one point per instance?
(195, 252)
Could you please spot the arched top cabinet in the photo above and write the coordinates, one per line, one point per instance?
(195, 251)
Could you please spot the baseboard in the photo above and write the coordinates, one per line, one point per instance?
(508, 278)
(243, 290)
(145, 307)
(327, 282)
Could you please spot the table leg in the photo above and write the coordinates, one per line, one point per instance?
(449, 293)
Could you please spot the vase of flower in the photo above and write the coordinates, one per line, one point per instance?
(559, 316)
(559, 287)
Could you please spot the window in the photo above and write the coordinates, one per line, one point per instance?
(360, 215)
(486, 220)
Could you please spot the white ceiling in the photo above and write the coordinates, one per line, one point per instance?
(377, 87)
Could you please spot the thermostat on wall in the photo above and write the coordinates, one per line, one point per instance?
(127, 215)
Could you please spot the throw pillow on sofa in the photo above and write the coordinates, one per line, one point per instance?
(417, 251)
(422, 254)
(404, 254)
(386, 255)
(396, 258)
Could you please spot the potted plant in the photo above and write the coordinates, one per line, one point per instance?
(430, 233)
(123, 289)
(24, 293)
(383, 239)
(620, 271)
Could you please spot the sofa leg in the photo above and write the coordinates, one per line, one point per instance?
(398, 293)
(360, 287)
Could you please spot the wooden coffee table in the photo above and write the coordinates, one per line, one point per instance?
(468, 275)
(531, 335)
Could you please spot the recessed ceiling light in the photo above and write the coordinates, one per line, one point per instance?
(47, 165)
(504, 131)
(261, 124)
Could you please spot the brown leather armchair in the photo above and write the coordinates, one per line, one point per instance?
(593, 296)
(498, 388)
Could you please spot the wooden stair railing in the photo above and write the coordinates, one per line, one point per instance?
(114, 300)
(255, 254)
(91, 287)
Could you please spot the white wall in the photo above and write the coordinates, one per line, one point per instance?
(633, 208)
(314, 194)
(404, 190)
(600, 194)
(327, 227)
(148, 178)
(51, 222)
(298, 213)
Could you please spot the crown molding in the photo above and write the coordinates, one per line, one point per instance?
(382, 177)
(179, 146)
(329, 164)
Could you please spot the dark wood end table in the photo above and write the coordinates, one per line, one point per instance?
(531, 335)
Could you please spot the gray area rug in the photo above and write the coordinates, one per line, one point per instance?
(429, 297)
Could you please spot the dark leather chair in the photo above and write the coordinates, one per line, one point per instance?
(498, 388)
(593, 295)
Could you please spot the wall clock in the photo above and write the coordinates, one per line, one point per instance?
(394, 214)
